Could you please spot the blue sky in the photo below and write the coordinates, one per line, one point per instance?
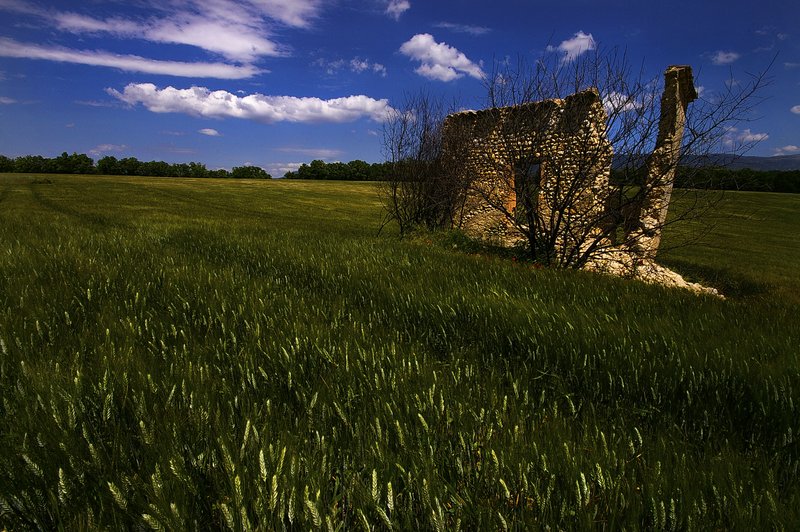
(275, 83)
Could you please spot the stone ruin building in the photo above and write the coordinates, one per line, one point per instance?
(502, 147)
(562, 144)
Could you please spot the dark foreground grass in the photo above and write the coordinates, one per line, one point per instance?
(250, 355)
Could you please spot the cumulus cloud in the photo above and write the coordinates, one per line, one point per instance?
(580, 43)
(787, 150)
(464, 28)
(128, 63)
(209, 132)
(395, 8)
(721, 57)
(200, 101)
(439, 60)
(735, 138)
(796, 109)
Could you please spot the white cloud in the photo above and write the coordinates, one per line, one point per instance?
(77, 23)
(331, 67)
(735, 138)
(700, 89)
(235, 42)
(280, 169)
(616, 102)
(107, 148)
(295, 13)
(356, 65)
(20, 6)
(209, 132)
(439, 60)
(748, 136)
(787, 150)
(200, 101)
(397, 8)
(244, 42)
(128, 63)
(796, 109)
(464, 28)
(318, 153)
(4, 100)
(240, 31)
(721, 57)
(361, 65)
(580, 43)
(97, 103)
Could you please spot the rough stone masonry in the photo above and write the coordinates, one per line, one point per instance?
(563, 146)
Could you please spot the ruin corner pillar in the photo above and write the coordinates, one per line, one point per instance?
(679, 91)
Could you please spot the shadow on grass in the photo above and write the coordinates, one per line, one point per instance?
(456, 240)
(731, 285)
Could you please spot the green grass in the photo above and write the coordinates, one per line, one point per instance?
(252, 355)
(747, 245)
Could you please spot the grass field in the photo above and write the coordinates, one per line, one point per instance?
(251, 355)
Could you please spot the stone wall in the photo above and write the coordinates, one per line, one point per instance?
(554, 145)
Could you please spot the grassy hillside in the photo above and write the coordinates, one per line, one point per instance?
(747, 246)
(192, 354)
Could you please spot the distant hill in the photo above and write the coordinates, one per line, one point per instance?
(762, 164)
(781, 162)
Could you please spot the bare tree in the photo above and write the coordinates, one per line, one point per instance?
(426, 182)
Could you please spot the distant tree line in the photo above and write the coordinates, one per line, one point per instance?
(79, 163)
(711, 177)
(717, 178)
(720, 178)
(353, 171)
